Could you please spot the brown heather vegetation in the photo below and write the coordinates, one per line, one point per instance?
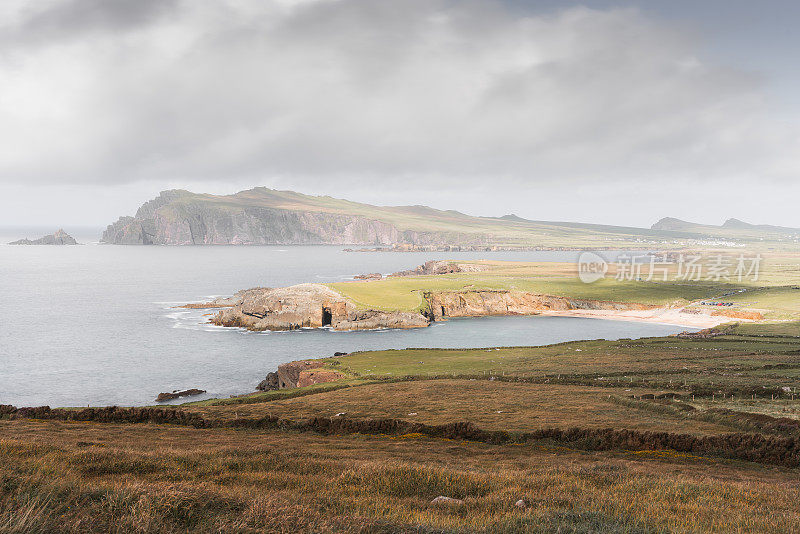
(61, 476)
(759, 448)
(489, 404)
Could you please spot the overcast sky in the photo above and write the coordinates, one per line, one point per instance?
(614, 112)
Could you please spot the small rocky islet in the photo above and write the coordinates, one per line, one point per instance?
(59, 237)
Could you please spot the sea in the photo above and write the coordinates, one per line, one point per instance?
(96, 324)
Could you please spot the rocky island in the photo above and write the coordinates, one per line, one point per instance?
(59, 237)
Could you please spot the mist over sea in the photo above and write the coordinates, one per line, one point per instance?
(96, 324)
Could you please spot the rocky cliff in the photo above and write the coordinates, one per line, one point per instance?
(260, 217)
(207, 225)
(60, 237)
(481, 303)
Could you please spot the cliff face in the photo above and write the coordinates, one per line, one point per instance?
(482, 303)
(183, 218)
(204, 225)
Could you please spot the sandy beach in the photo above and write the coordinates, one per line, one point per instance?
(670, 316)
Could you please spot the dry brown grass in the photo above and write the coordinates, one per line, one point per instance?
(86, 477)
(492, 405)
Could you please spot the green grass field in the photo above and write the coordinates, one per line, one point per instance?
(776, 292)
(405, 293)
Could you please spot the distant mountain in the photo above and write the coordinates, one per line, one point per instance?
(60, 237)
(732, 228)
(512, 217)
(674, 225)
(266, 216)
(741, 225)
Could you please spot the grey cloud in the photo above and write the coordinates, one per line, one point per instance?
(45, 23)
(351, 89)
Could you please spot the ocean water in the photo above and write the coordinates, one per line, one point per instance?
(96, 324)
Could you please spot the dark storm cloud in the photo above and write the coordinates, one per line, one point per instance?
(416, 91)
(52, 23)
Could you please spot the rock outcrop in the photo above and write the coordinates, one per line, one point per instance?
(451, 502)
(163, 397)
(433, 267)
(376, 319)
(370, 276)
(219, 302)
(60, 237)
(269, 383)
(302, 373)
(308, 306)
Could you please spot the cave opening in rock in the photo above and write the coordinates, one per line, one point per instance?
(327, 316)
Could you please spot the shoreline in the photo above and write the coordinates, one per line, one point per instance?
(666, 316)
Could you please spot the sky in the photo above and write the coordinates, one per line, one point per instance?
(614, 112)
